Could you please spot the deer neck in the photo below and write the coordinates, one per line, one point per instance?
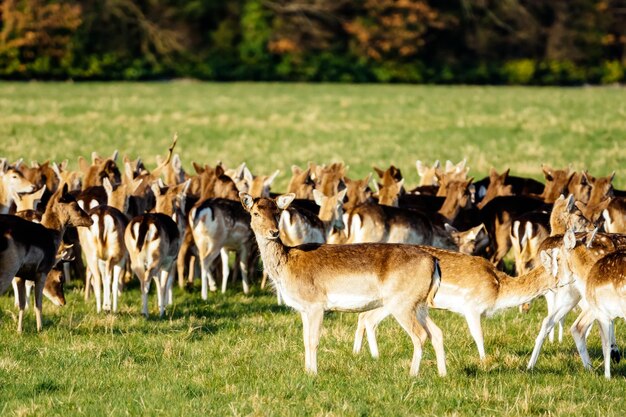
(51, 221)
(5, 198)
(580, 260)
(274, 256)
(514, 291)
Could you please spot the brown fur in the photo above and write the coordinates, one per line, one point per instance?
(400, 277)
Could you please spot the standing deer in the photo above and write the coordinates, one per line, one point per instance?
(401, 279)
(12, 182)
(29, 250)
(470, 286)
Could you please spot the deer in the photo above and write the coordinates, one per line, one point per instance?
(566, 295)
(218, 224)
(12, 182)
(601, 282)
(28, 250)
(301, 182)
(428, 175)
(314, 278)
(470, 286)
(614, 216)
(557, 182)
(153, 240)
(497, 187)
(99, 169)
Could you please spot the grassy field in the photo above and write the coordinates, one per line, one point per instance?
(243, 355)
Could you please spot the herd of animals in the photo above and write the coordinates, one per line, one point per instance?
(331, 242)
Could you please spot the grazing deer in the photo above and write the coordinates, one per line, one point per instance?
(219, 225)
(400, 279)
(472, 287)
(470, 242)
(152, 240)
(28, 250)
(12, 182)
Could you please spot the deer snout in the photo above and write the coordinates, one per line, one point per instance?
(273, 233)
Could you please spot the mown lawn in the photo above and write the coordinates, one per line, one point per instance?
(243, 355)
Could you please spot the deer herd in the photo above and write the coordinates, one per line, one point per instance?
(372, 246)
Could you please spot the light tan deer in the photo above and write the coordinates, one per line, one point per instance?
(12, 182)
(302, 182)
(429, 175)
(400, 279)
(602, 284)
(567, 295)
(29, 250)
(615, 216)
(470, 286)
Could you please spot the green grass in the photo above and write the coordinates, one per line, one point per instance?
(243, 355)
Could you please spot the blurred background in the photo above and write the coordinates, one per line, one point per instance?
(534, 42)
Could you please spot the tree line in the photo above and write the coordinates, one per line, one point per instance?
(543, 42)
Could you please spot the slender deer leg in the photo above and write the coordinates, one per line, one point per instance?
(208, 282)
(436, 337)
(579, 331)
(313, 327)
(39, 285)
(407, 318)
(547, 326)
(243, 267)
(168, 286)
(106, 275)
(476, 330)
(160, 281)
(370, 323)
(616, 356)
(117, 273)
(305, 337)
(225, 269)
(605, 336)
(20, 292)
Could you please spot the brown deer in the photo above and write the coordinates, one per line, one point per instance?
(557, 181)
(302, 182)
(470, 286)
(315, 278)
(99, 169)
(497, 187)
(153, 240)
(28, 250)
(614, 216)
(219, 225)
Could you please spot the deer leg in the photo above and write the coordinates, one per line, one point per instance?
(547, 326)
(159, 281)
(312, 325)
(208, 282)
(579, 332)
(368, 322)
(105, 274)
(96, 281)
(116, 288)
(20, 296)
(436, 338)
(473, 323)
(616, 356)
(605, 336)
(243, 267)
(169, 284)
(39, 285)
(407, 318)
(184, 255)
(88, 277)
(28, 285)
(225, 269)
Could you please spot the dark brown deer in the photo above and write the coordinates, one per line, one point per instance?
(29, 250)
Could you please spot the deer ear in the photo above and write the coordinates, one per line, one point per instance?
(379, 171)
(246, 201)
(548, 262)
(219, 170)
(268, 181)
(421, 169)
(341, 195)
(107, 185)
(83, 164)
(450, 229)
(64, 190)
(569, 240)
(570, 203)
(318, 196)
(247, 175)
(283, 201)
